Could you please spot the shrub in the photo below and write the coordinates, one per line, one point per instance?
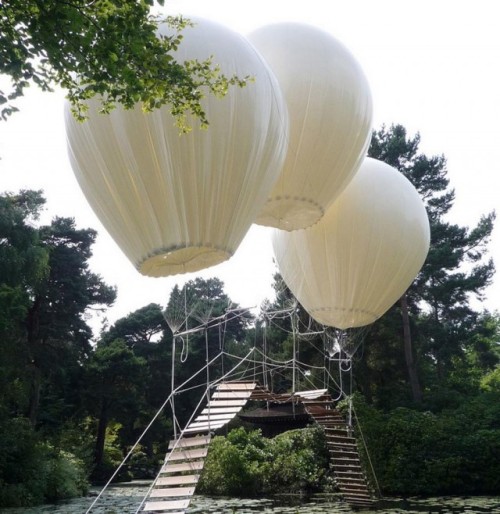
(33, 472)
(247, 464)
(66, 477)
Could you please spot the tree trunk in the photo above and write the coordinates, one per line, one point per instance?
(101, 434)
(34, 399)
(416, 390)
(34, 344)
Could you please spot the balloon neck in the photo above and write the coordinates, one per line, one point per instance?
(290, 212)
(185, 259)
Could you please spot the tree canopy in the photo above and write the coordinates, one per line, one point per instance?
(107, 48)
(439, 306)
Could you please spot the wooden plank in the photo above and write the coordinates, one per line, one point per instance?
(166, 505)
(186, 442)
(236, 386)
(185, 466)
(311, 395)
(208, 425)
(198, 430)
(227, 403)
(215, 417)
(177, 480)
(221, 410)
(203, 429)
(181, 454)
(171, 492)
(174, 511)
(231, 394)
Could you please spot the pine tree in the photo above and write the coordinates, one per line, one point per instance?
(437, 310)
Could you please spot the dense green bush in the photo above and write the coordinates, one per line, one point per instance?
(66, 477)
(246, 464)
(423, 453)
(32, 471)
(22, 467)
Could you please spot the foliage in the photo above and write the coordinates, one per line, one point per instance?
(33, 472)
(66, 478)
(246, 464)
(114, 376)
(422, 453)
(450, 340)
(46, 290)
(107, 48)
(212, 322)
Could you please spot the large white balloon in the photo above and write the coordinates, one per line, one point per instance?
(330, 108)
(352, 266)
(180, 203)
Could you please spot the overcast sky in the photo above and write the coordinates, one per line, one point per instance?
(433, 66)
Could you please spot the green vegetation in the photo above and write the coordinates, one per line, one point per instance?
(454, 451)
(107, 48)
(246, 464)
(426, 380)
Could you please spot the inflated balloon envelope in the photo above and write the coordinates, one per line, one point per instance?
(330, 107)
(352, 266)
(180, 203)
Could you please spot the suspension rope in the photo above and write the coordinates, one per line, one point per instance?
(358, 425)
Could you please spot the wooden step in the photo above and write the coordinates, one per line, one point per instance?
(347, 460)
(216, 417)
(346, 467)
(177, 480)
(231, 395)
(348, 486)
(343, 450)
(166, 505)
(356, 498)
(221, 410)
(236, 386)
(358, 478)
(227, 403)
(184, 466)
(355, 494)
(182, 454)
(344, 441)
(203, 427)
(171, 492)
(187, 442)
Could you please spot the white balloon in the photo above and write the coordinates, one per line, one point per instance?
(180, 203)
(353, 265)
(330, 108)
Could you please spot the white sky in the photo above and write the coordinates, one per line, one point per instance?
(433, 66)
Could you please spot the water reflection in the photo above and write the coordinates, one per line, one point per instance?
(125, 498)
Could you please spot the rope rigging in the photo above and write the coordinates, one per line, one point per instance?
(331, 350)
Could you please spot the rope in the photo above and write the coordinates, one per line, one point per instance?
(358, 424)
(130, 452)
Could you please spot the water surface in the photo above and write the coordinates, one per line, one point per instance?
(125, 499)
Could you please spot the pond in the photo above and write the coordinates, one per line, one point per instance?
(125, 498)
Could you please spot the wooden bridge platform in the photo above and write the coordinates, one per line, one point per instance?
(176, 482)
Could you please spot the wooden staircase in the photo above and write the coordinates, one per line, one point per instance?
(175, 484)
(343, 451)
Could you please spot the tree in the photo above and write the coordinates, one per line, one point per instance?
(437, 306)
(23, 267)
(140, 327)
(203, 308)
(107, 48)
(56, 330)
(146, 333)
(114, 377)
(46, 290)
